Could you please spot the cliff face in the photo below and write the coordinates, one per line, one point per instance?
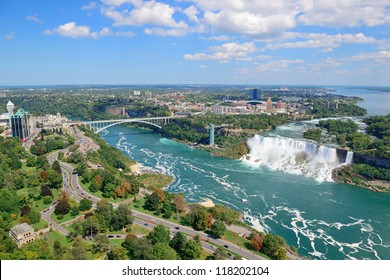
(366, 159)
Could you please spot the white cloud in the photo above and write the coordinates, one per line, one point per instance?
(34, 18)
(329, 63)
(192, 13)
(336, 13)
(250, 18)
(278, 65)
(176, 32)
(202, 66)
(377, 56)
(10, 36)
(217, 38)
(72, 30)
(226, 52)
(90, 6)
(322, 40)
(150, 12)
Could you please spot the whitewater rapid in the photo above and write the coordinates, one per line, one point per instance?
(294, 156)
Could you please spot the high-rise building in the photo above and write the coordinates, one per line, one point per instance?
(255, 94)
(269, 104)
(10, 107)
(281, 106)
(20, 124)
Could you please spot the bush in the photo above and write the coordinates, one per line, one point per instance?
(47, 200)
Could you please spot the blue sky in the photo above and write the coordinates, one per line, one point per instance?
(302, 42)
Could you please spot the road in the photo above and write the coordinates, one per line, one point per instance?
(150, 221)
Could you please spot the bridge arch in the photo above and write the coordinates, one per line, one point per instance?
(126, 121)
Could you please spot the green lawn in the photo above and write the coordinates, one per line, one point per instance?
(41, 225)
(54, 235)
(136, 229)
(116, 242)
(66, 218)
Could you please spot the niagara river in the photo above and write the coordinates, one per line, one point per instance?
(298, 201)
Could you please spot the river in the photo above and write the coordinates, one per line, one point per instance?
(323, 219)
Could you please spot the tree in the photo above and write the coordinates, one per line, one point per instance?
(104, 212)
(34, 217)
(25, 210)
(218, 229)
(62, 207)
(162, 251)
(151, 202)
(56, 166)
(129, 241)
(179, 203)
(74, 211)
(58, 251)
(219, 254)
(178, 242)
(200, 221)
(257, 242)
(192, 250)
(85, 204)
(45, 191)
(90, 226)
(271, 244)
(117, 253)
(142, 249)
(78, 252)
(159, 234)
(121, 218)
(100, 244)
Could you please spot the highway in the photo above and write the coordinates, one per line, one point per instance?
(150, 221)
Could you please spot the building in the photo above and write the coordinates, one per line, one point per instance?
(22, 234)
(281, 107)
(255, 94)
(269, 104)
(20, 124)
(137, 93)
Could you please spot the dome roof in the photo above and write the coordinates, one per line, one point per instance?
(10, 103)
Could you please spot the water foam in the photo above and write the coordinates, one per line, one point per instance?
(293, 156)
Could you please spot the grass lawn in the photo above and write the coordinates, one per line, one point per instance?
(138, 230)
(42, 224)
(54, 235)
(66, 218)
(116, 242)
(155, 180)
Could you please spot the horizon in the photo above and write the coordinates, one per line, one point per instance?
(122, 42)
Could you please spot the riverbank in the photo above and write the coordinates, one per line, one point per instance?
(345, 175)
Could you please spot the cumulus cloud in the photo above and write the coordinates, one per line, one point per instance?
(90, 6)
(10, 36)
(250, 18)
(34, 18)
(225, 52)
(143, 13)
(72, 30)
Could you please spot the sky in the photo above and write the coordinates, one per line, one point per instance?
(257, 42)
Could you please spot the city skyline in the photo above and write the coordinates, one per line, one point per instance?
(307, 42)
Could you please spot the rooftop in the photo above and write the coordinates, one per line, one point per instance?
(22, 228)
(20, 113)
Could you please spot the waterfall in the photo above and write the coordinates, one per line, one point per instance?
(293, 156)
(349, 158)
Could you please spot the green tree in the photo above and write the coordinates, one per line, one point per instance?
(142, 249)
(178, 242)
(218, 229)
(121, 217)
(151, 202)
(78, 251)
(159, 234)
(200, 221)
(192, 250)
(117, 253)
(271, 246)
(85, 204)
(100, 244)
(62, 207)
(162, 251)
(74, 211)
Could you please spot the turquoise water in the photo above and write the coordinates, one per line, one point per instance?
(323, 220)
